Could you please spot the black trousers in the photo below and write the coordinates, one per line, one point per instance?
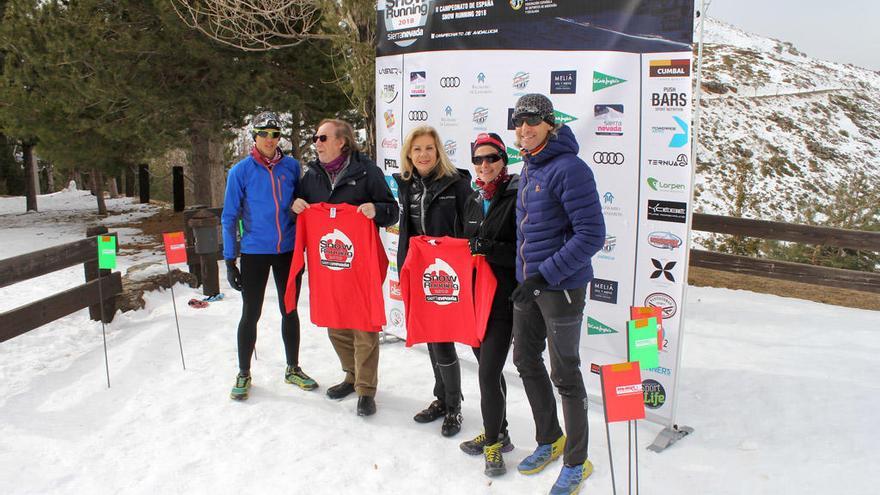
(491, 356)
(254, 276)
(554, 319)
(447, 373)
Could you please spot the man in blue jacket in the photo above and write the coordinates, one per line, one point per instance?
(559, 228)
(259, 191)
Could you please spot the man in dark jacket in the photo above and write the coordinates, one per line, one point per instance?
(341, 174)
(559, 228)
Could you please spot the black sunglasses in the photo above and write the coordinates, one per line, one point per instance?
(271, 134)
(530, 119)
(322, 138)
(479, 160)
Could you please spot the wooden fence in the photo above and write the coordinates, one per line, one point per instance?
(26, 266)
(797, 272)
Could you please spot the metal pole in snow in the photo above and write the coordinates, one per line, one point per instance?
(103, 331)
(174, 303)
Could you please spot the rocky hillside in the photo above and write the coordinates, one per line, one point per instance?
(784, 136)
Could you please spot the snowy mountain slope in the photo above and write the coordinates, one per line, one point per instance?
(781, 131)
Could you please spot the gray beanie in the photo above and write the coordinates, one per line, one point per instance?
(535, 104)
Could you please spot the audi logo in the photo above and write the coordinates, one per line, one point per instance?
(450, 82)
(418, 115)
(607, 158)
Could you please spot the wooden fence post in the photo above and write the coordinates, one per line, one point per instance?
(144, 182)
(92, 272)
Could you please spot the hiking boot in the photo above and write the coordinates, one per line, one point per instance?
(475, 446)
(452, 422)
(240, 390)
(435, 410)
(570, 479)
(366, 406)
(340, 390)
(542, 456)
(494, 460)
(296, 376)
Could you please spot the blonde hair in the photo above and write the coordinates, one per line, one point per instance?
(443, 168)
(344, 131)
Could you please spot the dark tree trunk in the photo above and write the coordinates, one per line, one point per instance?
(130, 183)
(98, 188)
(50, 178)
(207, 166)
(32, 180)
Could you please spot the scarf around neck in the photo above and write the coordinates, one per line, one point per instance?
(487, 190)
(334, 166)
(267, 162)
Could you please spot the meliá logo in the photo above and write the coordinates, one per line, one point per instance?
(664, 240)
(563, 82)
(440, 283)
(336, 250)
(603, 290)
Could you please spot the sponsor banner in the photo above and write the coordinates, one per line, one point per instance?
(636, 144)
(406, 26)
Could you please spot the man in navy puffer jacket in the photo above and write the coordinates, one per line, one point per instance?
(559, 228)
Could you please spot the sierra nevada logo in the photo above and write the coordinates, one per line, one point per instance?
(336, 250)
(440, 283)
(405, 20)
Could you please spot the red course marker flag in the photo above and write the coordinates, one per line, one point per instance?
(175, 247)
(622, 392)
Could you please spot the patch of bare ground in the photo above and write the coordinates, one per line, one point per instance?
(704, 277)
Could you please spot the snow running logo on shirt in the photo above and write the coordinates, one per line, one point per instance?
(440, 283)
(337, 251)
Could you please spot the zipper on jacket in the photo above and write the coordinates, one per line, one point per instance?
(422, 206)
(522, 199)
(275, 199)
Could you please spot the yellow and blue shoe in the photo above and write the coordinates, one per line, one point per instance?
(543, 455)
(570, 479)
(296, 376)
(240, 390)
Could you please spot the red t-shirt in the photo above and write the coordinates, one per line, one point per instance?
(347, 266)
(446, 291)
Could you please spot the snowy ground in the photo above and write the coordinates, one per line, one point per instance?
(778, 390)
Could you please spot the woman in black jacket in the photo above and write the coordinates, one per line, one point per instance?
(490, 225)
(432, 195)
(343, 175)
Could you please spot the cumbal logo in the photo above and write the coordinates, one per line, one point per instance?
(336, 250)
(440, 283)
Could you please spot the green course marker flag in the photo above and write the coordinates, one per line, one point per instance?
(106, 252)
(642, 342)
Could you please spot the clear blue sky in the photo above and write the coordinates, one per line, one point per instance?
(846, 31)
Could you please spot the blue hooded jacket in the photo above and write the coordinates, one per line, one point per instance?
(261, 198)
(559, 222)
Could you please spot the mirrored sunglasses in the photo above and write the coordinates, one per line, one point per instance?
(530, 119)
(270, 134)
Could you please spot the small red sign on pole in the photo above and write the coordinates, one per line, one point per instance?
(622, 392)
(175, 247)
(639, 312)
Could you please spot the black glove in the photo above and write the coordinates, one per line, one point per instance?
(529, 289)
(233, 275)
(481, 246)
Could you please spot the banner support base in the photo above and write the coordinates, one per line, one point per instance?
(669, 436)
